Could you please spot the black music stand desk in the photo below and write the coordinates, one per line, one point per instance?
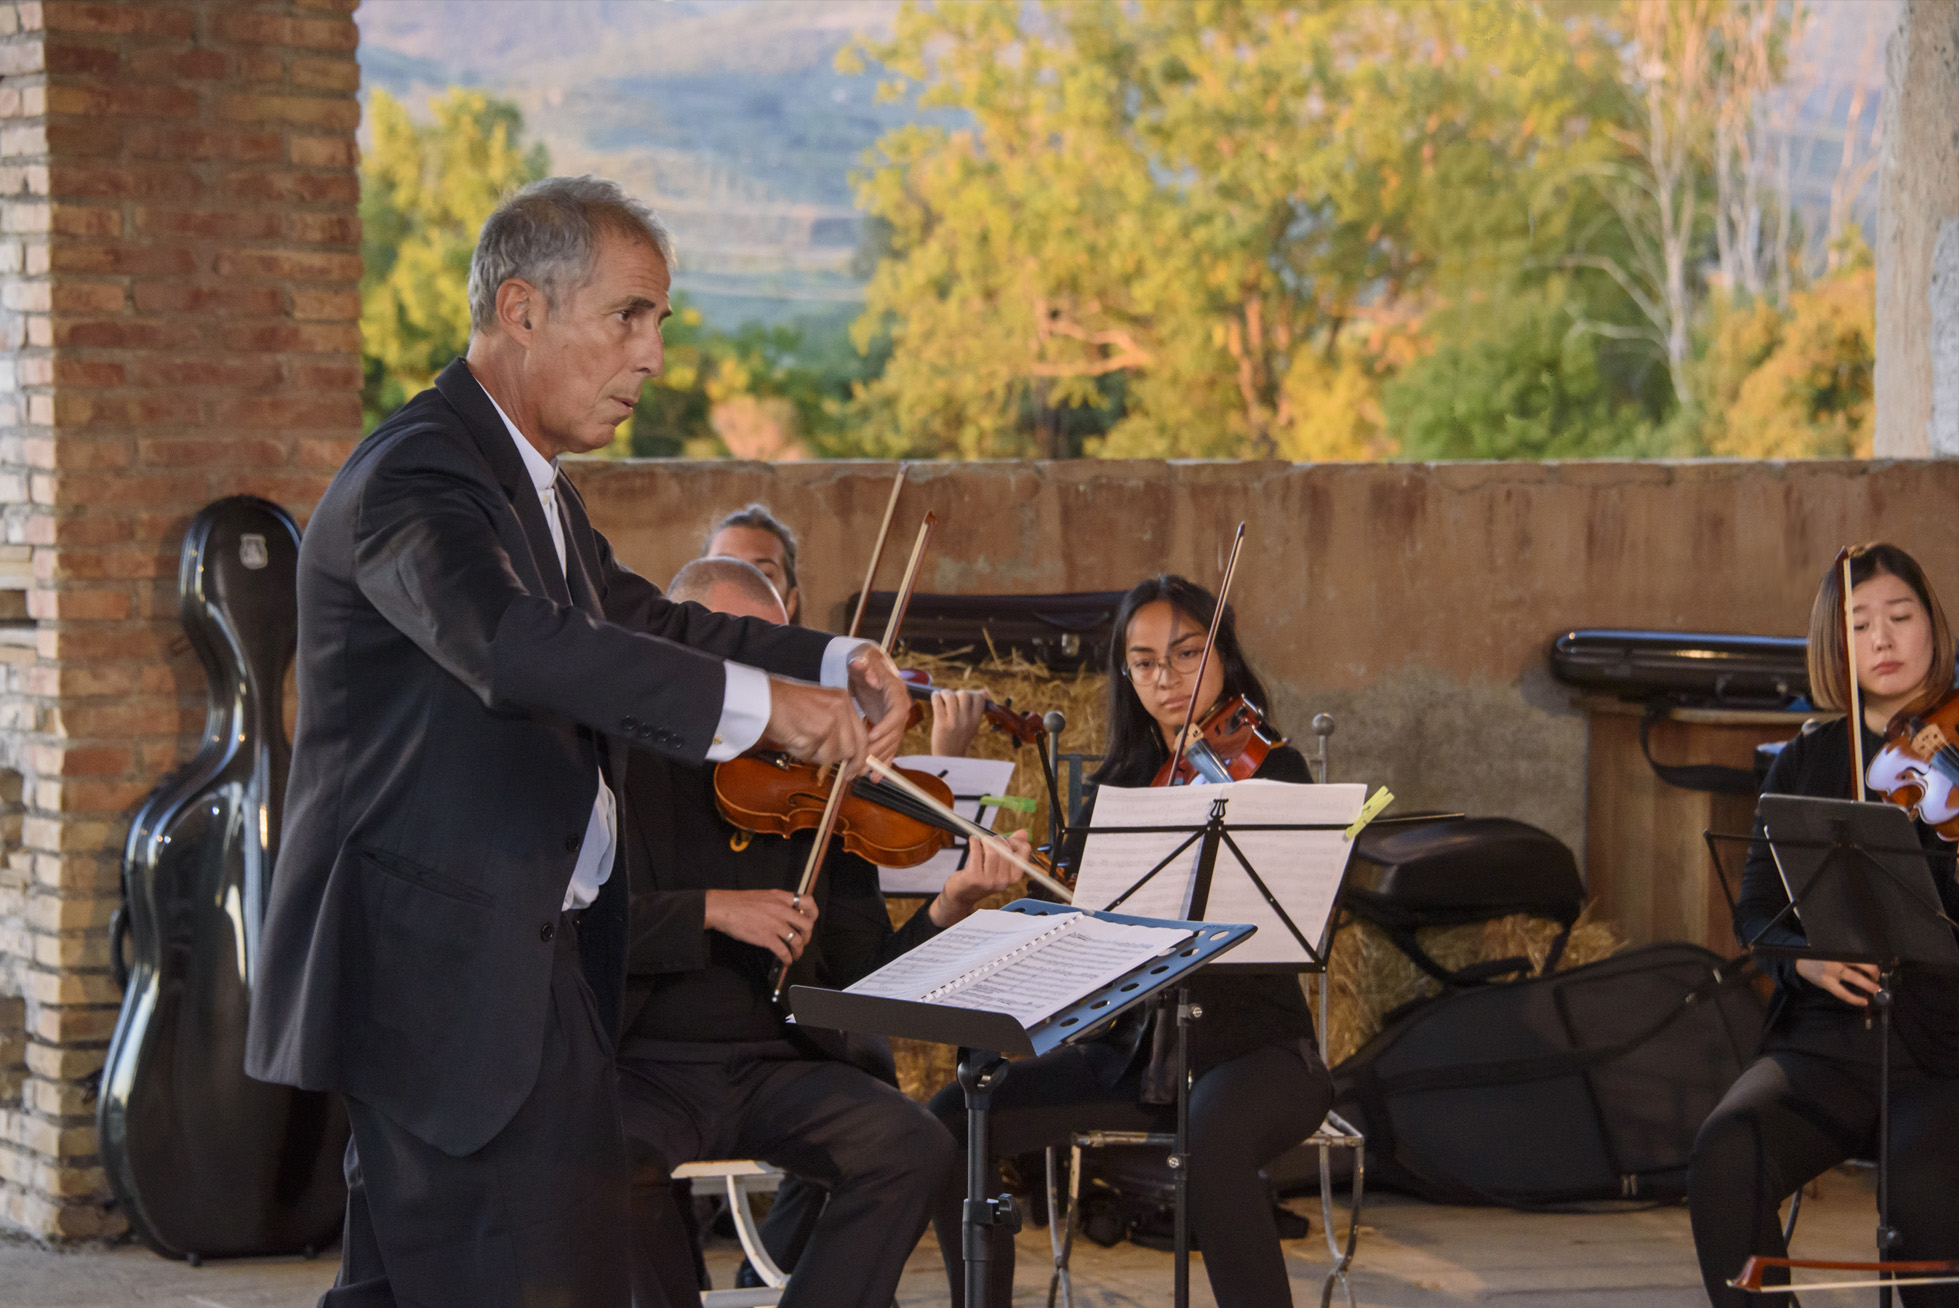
(985, 1037)
(1861, 886)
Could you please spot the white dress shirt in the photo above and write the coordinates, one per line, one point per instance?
(744, 697)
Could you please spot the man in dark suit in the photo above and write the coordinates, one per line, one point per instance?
(710, 1068)
(445, 942)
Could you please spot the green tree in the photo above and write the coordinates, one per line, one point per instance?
(1211, 220)
(425, 190)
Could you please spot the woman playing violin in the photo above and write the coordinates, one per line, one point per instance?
(1260, 1086)
(1811, 1099)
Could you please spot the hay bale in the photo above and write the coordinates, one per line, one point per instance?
(1371, 977)
(1030, 688)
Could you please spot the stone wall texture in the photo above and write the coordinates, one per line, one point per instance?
(1918, 237)
(179, 269)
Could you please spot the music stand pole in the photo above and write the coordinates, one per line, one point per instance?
(979, 1074)
(1187, 1012)
(1887, 1234)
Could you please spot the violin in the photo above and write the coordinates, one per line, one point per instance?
(1918, 768)
(1025, 728)
(1230, 744)
(773, 794)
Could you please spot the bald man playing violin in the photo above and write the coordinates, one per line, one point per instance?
(709, 1066)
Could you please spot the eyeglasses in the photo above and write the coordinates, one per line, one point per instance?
(1183, 662)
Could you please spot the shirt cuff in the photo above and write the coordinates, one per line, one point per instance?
(836, 660)
(744, 711)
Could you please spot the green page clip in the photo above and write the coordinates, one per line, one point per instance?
(1018, 803)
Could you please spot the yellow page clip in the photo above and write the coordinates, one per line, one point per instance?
(1377, 801)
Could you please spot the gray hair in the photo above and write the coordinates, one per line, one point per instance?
(548, 234)
(697, 579)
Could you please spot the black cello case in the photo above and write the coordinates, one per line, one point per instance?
(205, 1161)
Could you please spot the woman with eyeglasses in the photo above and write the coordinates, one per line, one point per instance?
(1259, 1084)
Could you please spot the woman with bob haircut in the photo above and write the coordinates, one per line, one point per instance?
(1259, 1086)
(1810, 1100)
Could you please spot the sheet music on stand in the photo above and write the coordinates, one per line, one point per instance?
(970, 779)
(1137, 830)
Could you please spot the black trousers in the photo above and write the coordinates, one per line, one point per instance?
(1792, 1116)
(1243, 1114)
(881, 1158)
(537, 1218)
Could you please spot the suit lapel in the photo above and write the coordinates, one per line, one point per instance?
(581, 552)
(467, 396)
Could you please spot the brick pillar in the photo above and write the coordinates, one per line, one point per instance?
(179, 268)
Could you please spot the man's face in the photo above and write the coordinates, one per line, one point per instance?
(763, 548)
(590, 353)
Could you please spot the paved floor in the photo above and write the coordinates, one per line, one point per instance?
(1410, 1254)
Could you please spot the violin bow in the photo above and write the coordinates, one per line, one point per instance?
(828, 825)
(877, 552)
(1850, 665)
(1210, 639)
(973, 830)
(1915, 1273)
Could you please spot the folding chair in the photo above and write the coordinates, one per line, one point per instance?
(740, 1179)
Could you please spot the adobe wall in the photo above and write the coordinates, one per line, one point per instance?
(1414, 602)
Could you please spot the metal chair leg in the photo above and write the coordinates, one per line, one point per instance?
(1341, 1255)
(751, 1238)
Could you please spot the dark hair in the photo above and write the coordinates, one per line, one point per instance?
(1136, 750)
(1829, 655)
(759, 517)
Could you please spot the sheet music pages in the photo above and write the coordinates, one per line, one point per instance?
(1028, 966)
(969, 778)
(1303, 869)
(1043, 978)
(953, 953)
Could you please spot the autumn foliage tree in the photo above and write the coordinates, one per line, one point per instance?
(425, 190)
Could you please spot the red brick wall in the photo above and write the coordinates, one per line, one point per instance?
(179, 268)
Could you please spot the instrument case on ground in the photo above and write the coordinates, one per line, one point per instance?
(1584, 1085)
(1065, 631)
(1444, 871)
(1703, 668)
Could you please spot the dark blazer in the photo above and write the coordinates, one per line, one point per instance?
(456, 700)
(685, 982)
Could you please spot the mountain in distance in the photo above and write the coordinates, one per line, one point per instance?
(728, 116)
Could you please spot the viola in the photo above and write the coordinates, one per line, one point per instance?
(1025, 728)
(1918, 768)
(1230, 744)
(775, 795)
(205, 1161)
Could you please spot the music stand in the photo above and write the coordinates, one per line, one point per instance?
(1210, 837)
(1867, 880)
(985, 1037)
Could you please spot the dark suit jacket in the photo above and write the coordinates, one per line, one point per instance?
(456, 699)
(687, 983)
